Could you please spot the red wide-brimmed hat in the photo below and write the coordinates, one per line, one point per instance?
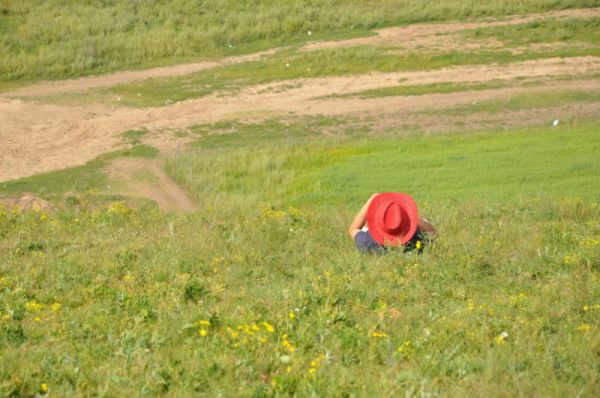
(392, 218)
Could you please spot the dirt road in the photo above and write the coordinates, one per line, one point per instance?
(37, 138)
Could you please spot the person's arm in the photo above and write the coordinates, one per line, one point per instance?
(360, 218)
(425, 226)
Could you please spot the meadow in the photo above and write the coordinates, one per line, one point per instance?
(261, 293)
(51, 39)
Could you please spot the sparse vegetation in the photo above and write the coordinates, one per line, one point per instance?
(50, 39)
(76, 179)
(524, 102)
(435, 88)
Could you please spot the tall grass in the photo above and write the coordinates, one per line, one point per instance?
(249, 296)
(582, 30)
(496, 167)
(50, 39)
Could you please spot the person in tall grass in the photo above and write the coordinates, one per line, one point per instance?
(393, 221)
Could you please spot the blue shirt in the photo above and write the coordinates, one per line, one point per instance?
(366, 244)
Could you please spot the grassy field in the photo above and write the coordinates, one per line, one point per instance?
(261, 293)
(581, 30)
(52, 39)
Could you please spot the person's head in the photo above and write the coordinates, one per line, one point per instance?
(392, 218)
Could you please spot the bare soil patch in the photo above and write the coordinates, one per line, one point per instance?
(145, 179)
(44, 88)
(428, 34)
(411, 36)
(35, 137)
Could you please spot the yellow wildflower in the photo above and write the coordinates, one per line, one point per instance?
(405, 347)
(255, 327)
(584, 327)
(37, 319)
(292, 315)
(202, 332)
(33, 305)
(119, 207)
(268, 327)
(418, 245)
(470, 305)
(289, 346)
(378, 334)
(43, 217)
(204, 322)
(501, 338)
(568, 260)
(44, 388)
(234, 335)
(55, 307)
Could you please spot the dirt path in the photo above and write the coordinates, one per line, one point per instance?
(36, 138)
(409, 36)
(112, 79)
(428, 34)
(144, 178)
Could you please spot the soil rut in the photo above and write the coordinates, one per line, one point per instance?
(36, 138)
(428, 33)
(417, 34)
(145, 179)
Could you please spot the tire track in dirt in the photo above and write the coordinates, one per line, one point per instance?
(44, 88)
(427, 34)
(145, 178)
(424, 34)
(36, 138)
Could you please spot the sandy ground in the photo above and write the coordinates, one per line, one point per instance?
(36, 138)
(144, 178)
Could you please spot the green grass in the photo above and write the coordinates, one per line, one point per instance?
(497, 167)
(569, 30)
(421, 89)
(250, 297)
(133, 137)
(288, 131)
(490, 167)
(288, 65)
(89, 177)
(522, 102)
(51, 39)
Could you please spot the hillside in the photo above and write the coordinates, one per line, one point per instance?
(173, 209)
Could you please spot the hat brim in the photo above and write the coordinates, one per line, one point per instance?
(409, 210)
